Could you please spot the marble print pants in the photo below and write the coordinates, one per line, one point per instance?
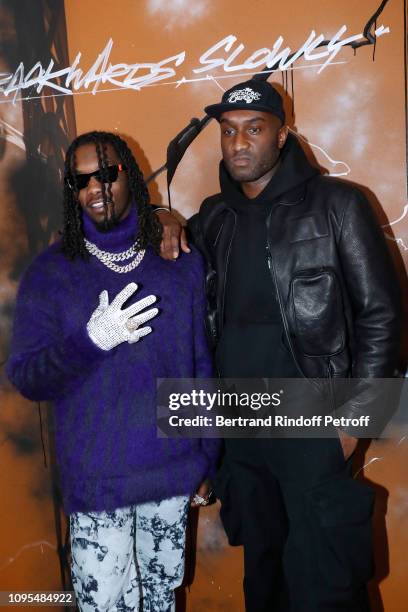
(130, 559)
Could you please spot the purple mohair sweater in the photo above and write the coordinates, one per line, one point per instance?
(105, 401)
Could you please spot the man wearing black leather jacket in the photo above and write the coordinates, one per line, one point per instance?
(300, 285)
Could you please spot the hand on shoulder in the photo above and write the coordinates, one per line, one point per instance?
(174, 235)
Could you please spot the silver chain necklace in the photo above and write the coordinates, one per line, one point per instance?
(108, 259)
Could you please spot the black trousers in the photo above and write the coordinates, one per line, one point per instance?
(304, 522)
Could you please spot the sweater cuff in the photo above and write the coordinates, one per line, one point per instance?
(211, 448)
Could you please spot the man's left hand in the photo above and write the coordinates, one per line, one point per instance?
(203, 491)
(348, 444)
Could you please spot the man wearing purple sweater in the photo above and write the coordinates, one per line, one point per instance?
(81, 339)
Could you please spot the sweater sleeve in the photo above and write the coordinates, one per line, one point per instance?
(203, 359)
(43, 363)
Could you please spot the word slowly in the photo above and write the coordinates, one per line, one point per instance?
(225, 55)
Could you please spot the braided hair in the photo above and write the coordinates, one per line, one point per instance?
(150, 230)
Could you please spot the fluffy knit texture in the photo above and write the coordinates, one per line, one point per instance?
(108, 452)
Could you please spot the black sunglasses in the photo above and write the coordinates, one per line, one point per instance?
(82, 180)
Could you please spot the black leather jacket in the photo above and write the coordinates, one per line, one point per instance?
(336, 285)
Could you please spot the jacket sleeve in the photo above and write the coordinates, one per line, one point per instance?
(43, 364)
(373, 290)
(203, 360)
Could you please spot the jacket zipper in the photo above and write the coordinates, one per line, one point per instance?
(272, 270)
(225, 274)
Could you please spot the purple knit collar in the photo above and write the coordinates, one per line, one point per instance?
(119, 238)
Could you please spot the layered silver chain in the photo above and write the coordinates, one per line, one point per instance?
(108, 259)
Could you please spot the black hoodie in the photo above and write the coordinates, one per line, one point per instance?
(251, 344)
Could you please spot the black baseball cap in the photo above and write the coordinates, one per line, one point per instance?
(249, 95)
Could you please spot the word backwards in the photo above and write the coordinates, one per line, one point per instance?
(225, 55)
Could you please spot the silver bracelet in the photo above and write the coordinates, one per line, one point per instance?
(161, 208)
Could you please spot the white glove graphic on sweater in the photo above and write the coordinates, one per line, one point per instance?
(109, 325)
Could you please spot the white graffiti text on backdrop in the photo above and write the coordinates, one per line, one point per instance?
(224, 55)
